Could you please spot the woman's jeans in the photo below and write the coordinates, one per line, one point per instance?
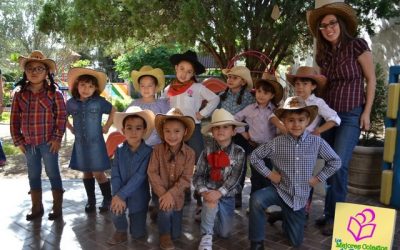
(2, 154)
(34, 156)
(219, 218)
(342, 139)
(137, 223)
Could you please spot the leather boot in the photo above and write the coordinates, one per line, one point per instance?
(106, 192)
(166, 242)
(37, 205)
(118, 238)
(57, 204)
(89, 184)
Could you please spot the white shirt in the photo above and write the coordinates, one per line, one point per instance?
(324, 111)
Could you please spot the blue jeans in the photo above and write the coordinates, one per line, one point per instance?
(342, 139)
(219, 218)
(293, 221)
(2, 155)
(34, 156)
(196, 142)
(137, 223)
(170, 222)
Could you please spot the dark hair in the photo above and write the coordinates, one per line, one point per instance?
(133, 117)
(85, 78)
(23, 83)
(323, 45)
(194, 69)
(294, 111)
(239, 100)
(155, 79)
(173, 120)
(266, 87)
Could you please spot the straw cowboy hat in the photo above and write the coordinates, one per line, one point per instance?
(191, 57)
(297, 103)
(74, 73)
(37, 56)
(221, 117)
(308, 72)
(146, 114)
(175, 113)
(241, 71)
(343, 10)
(271, 79)
(147, 70)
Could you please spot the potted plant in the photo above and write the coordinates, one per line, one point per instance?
(365, 165)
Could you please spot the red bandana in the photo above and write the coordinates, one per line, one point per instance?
(217, 160)
(178, 87)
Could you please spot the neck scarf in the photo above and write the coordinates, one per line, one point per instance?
(178, 87)
(218, 160)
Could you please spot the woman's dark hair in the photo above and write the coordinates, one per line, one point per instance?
(132, 117)
(155, 79)
(85, 78)
(323, 45)
(239, 100)
(23, 83)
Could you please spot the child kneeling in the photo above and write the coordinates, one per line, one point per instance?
(217, 177)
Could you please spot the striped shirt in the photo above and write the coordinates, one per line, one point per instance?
(37, 118)
(345, 89)
(295, 161)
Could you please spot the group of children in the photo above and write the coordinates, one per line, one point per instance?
(164, 152)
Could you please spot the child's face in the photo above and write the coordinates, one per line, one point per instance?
(223, 134)
(263, 97)
(303, 87)
(36, 72)
(184, 71)
(174, 131)
(86, 89)
(134, 130)
(147, 87)
(296, 123)
(235, 83)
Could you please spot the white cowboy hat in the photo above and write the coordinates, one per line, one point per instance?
(146, 114)
(221, 117)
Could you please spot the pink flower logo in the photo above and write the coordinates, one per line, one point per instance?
(190, 92)
(361, 226)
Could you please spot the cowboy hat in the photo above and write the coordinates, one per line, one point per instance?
(175, 113)
(147, 70)
(74, 73)
(271, 79)
(221, 117)
(241, 71)
(147, 115)
(191, 57)
(308, 72)
(37, 56)
(343, 10)
(297, 103)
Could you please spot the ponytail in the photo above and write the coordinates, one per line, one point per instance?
(224, 95)
(241, 93)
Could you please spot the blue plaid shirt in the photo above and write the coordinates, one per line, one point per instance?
(295, 161)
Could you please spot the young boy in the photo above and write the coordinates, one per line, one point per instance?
(293, 156)
(217, 177)
(170, 172)
(129, 174)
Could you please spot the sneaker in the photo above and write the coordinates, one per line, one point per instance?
(2, 163)
(197, 214)
(206, 242)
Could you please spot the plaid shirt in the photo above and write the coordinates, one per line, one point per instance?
(295, 161)
(230, 184)
(230, 103)
(345, 89)
(37, 118)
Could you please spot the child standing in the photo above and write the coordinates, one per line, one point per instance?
(89, 153)
(129, 174)
(293, 156)
(37, 126)
(217, 177)
(170, 172)
(269, 93)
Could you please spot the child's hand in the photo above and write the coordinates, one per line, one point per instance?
(54, 146)
(212, 196)
(22, 148)
(105, 129)
(199, 116)
(313, 181)
(275, 177)
(166, 201)
(316, 132)
(118, 205)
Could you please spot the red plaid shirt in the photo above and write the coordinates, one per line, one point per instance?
(345, 89)
(37, 118)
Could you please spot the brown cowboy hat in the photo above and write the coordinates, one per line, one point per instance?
(146, 114)
(191, 57)
(297, 103)
(271, 79)
(74, 73)
(343, 10)
(221, 117)
(308, 72)
(147, 70)
(175, 113)
(242, 72)
(37, 56)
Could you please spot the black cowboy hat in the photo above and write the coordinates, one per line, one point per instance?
(191, 57)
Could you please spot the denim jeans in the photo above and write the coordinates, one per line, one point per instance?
(34, 156)
(170, 222)
(2, 154)
(293, 221)
(196, 142)
(219, 218)
(137, 223)
(342, 139)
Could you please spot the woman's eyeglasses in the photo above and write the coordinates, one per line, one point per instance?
(35, 69)
(330, 25)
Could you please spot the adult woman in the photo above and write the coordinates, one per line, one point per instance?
(346, 61)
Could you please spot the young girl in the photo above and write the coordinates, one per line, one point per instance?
(37, 126)
(89, 153)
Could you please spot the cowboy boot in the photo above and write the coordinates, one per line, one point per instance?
(89, 184)
(57, 204)
(37, 205)
(106, 192)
